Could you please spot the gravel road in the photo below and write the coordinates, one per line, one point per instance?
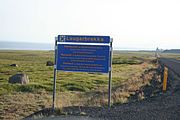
(172, 64)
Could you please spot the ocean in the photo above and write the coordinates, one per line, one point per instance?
(48, 46)
(25, 46)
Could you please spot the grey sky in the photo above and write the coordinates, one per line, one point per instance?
(142, 24)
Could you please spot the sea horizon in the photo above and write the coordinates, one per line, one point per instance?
(13, 45)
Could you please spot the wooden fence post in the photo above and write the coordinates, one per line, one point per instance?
(165, 78)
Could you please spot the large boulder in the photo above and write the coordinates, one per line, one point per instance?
(19, 78)
(49, 63)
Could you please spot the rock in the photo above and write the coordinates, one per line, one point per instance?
(49, 63)
(83, 113)
(14, 65)
(19, 78)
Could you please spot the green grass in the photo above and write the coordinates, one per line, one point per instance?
(73, 88)
(33, 63)
(131, 61)
(170, 55)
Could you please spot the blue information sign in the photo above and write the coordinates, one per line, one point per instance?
(72, 54)
(83, 39)
(83, 58)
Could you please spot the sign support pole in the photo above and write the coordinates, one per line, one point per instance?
(55, 72)
(110, 75)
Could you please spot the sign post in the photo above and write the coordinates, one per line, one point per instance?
(110, 75)
(55, 72)
(83, 54)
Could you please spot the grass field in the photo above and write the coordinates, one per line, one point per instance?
(18, 101)
(171, 55)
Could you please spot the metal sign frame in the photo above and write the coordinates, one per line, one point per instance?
(57, 39)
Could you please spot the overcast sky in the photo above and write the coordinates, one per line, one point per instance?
(133, 24)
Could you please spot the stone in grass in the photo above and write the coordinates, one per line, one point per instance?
(19, 78)
(14, 65)
(83, 114)
(49, 63)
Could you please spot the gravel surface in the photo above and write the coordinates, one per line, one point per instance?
(172, 64)
(163, 107)
(69, 118)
